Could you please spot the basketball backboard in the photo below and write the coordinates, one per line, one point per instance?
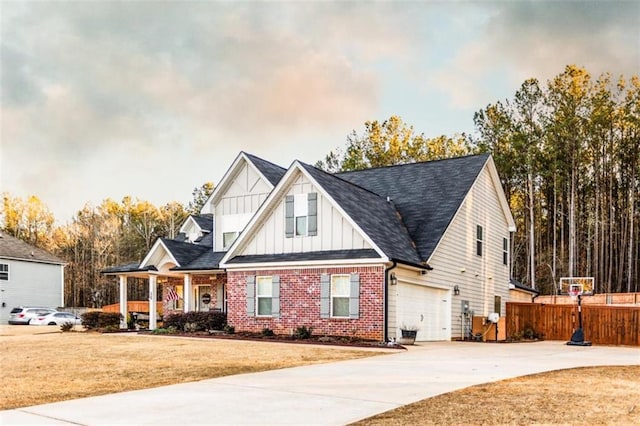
(576, 285)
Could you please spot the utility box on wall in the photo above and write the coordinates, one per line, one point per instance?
(485, 328)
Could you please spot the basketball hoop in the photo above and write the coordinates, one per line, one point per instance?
(575, 291)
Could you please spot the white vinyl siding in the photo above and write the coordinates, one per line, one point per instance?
(30, 283)
(334, 232)
(243, 196)
(455, 262)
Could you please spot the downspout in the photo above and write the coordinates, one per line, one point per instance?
(386, 300)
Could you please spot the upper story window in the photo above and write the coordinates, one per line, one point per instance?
(479, 240)
(301, 215)
(505, 251)
(4, 272)
(228, 238)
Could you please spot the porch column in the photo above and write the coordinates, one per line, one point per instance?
(123, 300)
(186, 294)
(153, 283)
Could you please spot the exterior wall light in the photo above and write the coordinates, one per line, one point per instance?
(392, 279)
(456, 290)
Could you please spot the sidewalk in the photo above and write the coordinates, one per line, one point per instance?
(326, 394)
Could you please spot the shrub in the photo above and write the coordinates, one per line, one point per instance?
(303, 332)
(67, 326)
(169, 330)
(101, 320)
(267, 332)
(229, 329)
(196, 321)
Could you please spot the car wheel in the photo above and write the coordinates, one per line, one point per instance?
(52, 323)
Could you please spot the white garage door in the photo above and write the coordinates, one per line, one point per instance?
(428, 308)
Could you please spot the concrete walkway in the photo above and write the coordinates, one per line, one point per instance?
(328, 394)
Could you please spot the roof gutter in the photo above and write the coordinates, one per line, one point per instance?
(425, 266)
(386, 299)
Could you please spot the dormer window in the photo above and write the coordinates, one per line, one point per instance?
(228, 238)
(301, 215)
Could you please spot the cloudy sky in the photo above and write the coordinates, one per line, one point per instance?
(153, 98)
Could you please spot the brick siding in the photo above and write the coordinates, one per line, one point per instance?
(300, 303)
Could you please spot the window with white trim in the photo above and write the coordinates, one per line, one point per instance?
(4, 271)
(340, 294)
(228, 238)
(505, 251)
(479, 240)
(264, 295)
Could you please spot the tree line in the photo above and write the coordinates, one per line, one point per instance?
(568, 155)
(112, 233)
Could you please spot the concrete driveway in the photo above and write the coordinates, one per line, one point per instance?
(327, 394)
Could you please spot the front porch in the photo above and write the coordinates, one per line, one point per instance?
(174, 292)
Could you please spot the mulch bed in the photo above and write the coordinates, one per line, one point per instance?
(279, 338)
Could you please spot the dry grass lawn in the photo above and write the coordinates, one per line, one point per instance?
(51, 366)
(580, 396)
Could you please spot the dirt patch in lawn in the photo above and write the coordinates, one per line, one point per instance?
(51, 366)
(592, 395)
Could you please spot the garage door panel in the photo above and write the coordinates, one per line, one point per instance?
(427, 308)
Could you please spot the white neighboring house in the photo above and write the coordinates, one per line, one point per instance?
(29, 276)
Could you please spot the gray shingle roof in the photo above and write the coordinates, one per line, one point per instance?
(14, 248)
(208, 260)
(377, 217)
(128, 267)
(271, 171)
(427, 195)
(204, 221)
(308, 256)
(185, 253)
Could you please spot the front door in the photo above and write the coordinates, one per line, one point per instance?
(202, 296)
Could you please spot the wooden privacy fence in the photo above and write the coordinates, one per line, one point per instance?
(133, 306)
(605, 325)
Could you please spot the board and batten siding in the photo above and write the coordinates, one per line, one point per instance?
(334, 230)
(245, 194)
(30, 284)
(455, 262)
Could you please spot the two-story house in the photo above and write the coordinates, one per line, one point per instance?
(362, 253)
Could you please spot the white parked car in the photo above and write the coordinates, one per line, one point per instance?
(23, 314)
(55, 318)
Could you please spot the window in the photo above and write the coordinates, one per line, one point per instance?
(340, 296)
(505, 251)
(173, 303)
(301, 217)
(264, 293)
(228, 238)
(479, 240)
(263, 296)
(497, 304)
(4, 272)
(300, 212)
